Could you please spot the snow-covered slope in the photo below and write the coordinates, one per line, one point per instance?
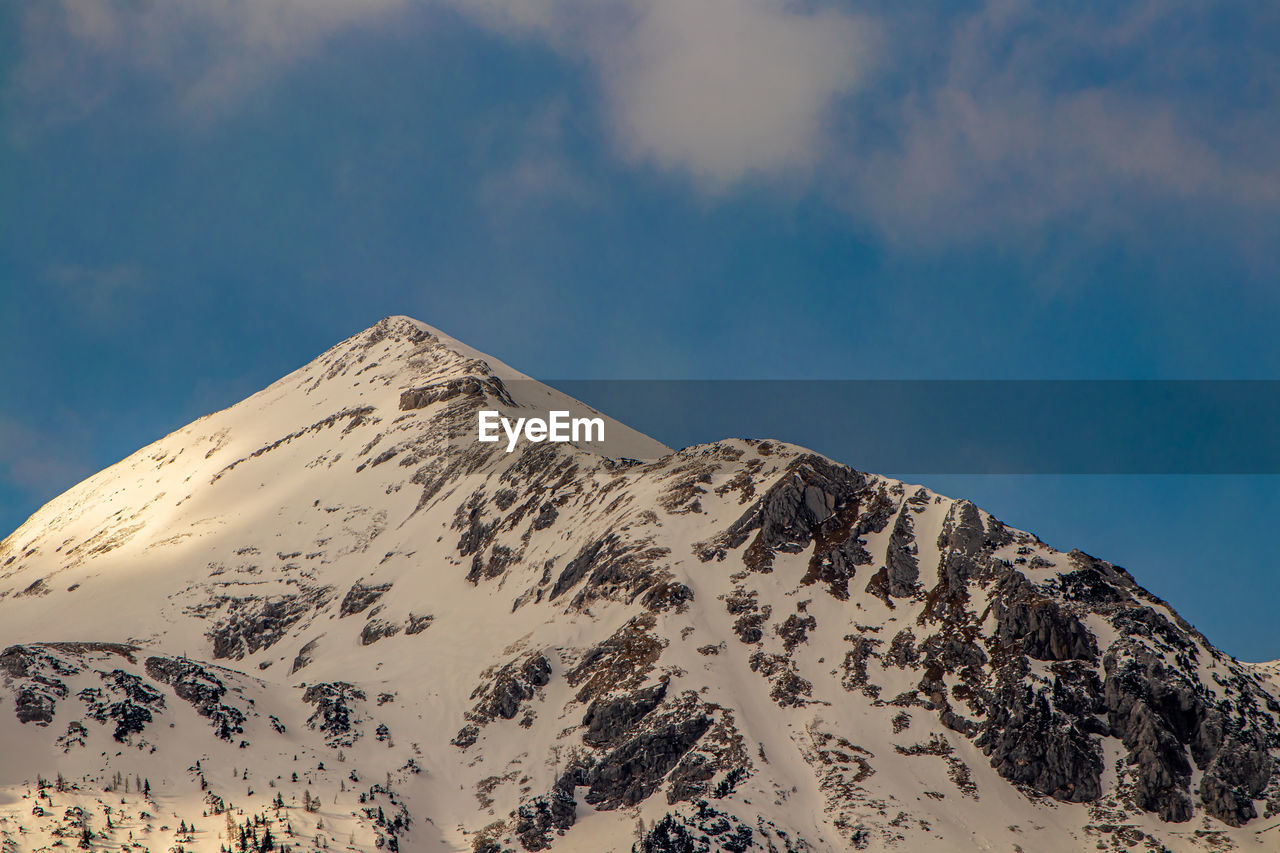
(329, 615)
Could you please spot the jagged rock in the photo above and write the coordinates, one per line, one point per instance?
(902, 569)
(1045, 630)
(667, 596)
(1030, 743)
(855, 662)
(499, 559)
(1147, 622)
(131, 710)
(546, 516)
(377, 629)
(1154, 717)
(634, 770)
(1089, 586)
(360, 597)
(39, 687)
(476, 533)
(902, 651)
(253, 624)
(196, 684)
(1238, 775)
(536, 818)
(334, 710)
(621, 662)
(609, 719)
(417, 624)
(690, 777)
(795, 629)
(512, 685)
(792, 512)
(303, 658)
(463, 386)
(587, 559)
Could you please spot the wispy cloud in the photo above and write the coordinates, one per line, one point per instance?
(205, 56)
(534, 167)
(961, 123)
(96, 292)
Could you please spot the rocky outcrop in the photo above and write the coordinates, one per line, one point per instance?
(815, 502)
(1238, 774)
(610, 718)
(124, 699)
(335, 711)
(360, 597)
(201, 687)
(1045, 631)
(511, 685)
(252, 624)
(633, 771)
(476, 387)
(1031, 743)
(502, 693)
(537, 819)
(902, 569)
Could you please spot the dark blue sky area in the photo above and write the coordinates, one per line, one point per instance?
(193, 204)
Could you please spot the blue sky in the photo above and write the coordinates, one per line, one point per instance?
(197, 198)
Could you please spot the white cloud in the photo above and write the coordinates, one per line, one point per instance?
(207, 55)
(728, 89)
(940, 126)
(1004, 138)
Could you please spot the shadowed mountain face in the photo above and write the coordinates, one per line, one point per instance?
(330, 616)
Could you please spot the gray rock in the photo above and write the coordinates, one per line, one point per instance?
(633, 771)
(902, 568)
(334, 710)
(1044, 629)
(611, 718)
(1032, 744)
(200, 686)
(360, 597)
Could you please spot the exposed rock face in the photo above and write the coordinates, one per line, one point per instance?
(537, 818)
(1032, 744)
(512, 685)
(608, 719)
(1044, 629)
(902, 567)
(1237, 776)
(633, 771)
(474, 387)
(252, 624)
(125, 699)
(198, 685)
(360, 597)
(502, 693)
(815, 501)
(335, 711)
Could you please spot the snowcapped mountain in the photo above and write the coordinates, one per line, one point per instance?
(327, 618)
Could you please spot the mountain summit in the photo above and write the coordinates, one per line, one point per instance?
(328, 618)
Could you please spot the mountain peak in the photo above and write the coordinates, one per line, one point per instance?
(737, 646)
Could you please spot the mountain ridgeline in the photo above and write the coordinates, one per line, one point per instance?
(328, 618)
